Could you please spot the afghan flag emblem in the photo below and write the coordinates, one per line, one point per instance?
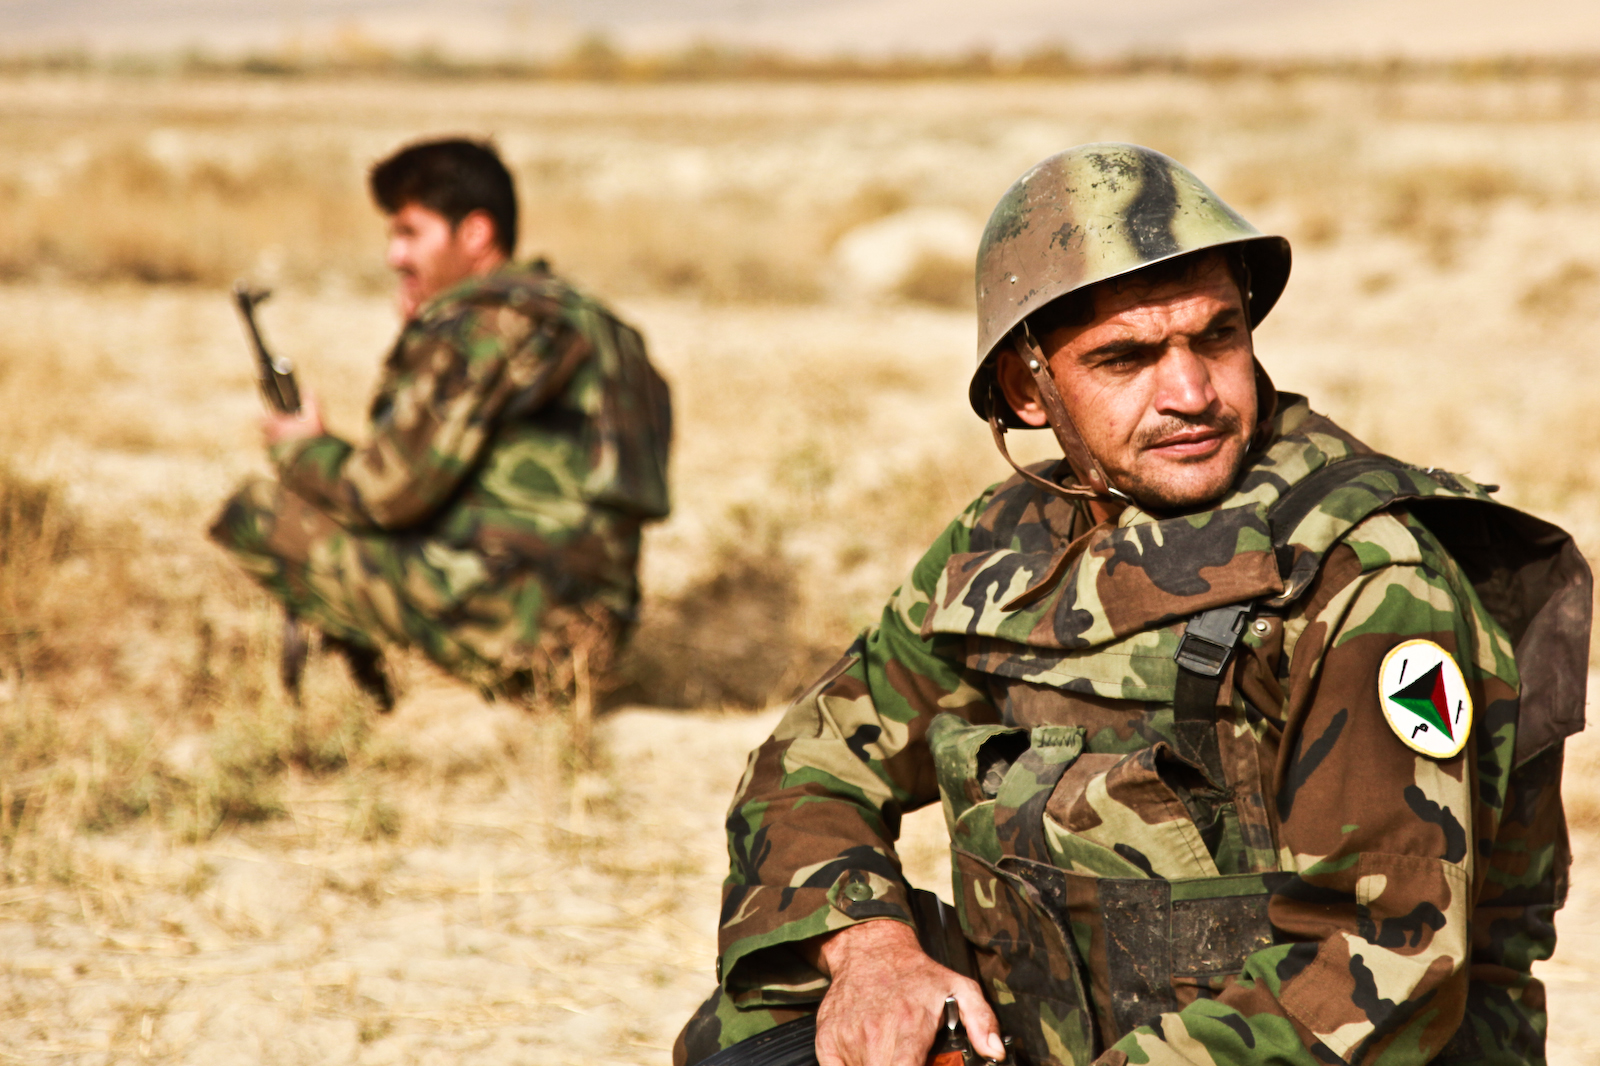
(1425, 698)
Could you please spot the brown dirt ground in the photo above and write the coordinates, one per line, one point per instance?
(530, 926)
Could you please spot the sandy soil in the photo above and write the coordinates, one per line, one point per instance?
(536, 926)
(532, 927)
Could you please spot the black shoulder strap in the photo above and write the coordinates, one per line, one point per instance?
(1528, 574)
(1304, 496)
(1211, 636)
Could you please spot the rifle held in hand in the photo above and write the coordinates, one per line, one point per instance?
(278, 386)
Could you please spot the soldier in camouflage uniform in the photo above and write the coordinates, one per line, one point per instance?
(1248, 739)
(518, 440)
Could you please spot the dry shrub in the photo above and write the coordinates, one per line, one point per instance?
(120, 701)
(1556, 297)
(36, 535)
(125, 214)
(785, 584)
(299, 215)
(735, 250)
(939, 280)
(736, 636)
(41, 542)
(1317, 193)
(1442, 206)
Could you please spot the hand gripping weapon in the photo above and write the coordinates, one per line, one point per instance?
(278, 387)
(282, 395)
(794, 1043)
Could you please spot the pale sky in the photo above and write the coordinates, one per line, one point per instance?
(1427, 28)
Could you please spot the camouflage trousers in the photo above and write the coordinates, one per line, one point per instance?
(500, 630)
(719, 1024)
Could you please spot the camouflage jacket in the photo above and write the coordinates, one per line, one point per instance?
(516, 420)
(1336, 896)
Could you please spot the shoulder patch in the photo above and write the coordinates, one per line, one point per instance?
(1425, 699)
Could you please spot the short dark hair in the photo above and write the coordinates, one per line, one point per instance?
(1076, 308)
(453, 177)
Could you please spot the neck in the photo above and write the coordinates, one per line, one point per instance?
(487, 263)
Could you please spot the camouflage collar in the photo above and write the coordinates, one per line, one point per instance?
(505, 283)
(1024, 584)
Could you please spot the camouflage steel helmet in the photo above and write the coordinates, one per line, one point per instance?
(1095, 212)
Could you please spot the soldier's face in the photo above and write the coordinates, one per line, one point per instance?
(427, 254)
(1162, 387)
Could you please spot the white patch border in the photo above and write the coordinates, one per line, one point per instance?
(1389, 714)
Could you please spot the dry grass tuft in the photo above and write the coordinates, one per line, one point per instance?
(191, 208)
(736, 636)
(1575, 286)
(940, 281)
(152, 211)
(1442, 206)
(90, 738)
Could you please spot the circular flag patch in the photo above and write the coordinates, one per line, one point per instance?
(1425, 698)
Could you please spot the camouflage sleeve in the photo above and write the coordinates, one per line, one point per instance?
(448, 380)
(1372, 906)
(812, 826)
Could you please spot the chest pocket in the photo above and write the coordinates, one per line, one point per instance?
(1085, 882)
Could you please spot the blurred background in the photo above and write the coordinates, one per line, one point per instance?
(786, 199)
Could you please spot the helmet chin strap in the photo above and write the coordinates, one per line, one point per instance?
(1092, 481)
(1070, 493)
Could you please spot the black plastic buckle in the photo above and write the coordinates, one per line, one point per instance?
(1209, 639)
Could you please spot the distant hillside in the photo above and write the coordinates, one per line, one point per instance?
(870, 28)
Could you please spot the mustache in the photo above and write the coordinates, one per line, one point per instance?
(1225, 423)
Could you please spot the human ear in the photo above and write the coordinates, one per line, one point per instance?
(476, 232)
(1019, 388)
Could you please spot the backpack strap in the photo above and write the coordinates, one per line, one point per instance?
(1304, 496)
(1203, 655)
(1210, 638)
(1528, 574)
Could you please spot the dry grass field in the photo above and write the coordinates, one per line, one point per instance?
(193, 871)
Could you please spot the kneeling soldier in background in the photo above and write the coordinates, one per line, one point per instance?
(518, 441)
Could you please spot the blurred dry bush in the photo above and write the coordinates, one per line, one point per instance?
(156, 210)
(1328, 193)
(736, 636)
(118, 211)
(783, 587)
(119, 700)
(939, 280)
(738, 249)
(1572, 288)
(1442, 206)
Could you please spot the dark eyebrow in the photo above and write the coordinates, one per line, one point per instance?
(1128, 344)
(1116, 347)
(1222, 316)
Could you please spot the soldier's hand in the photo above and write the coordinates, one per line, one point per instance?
(886, 1000)
(306, 422)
